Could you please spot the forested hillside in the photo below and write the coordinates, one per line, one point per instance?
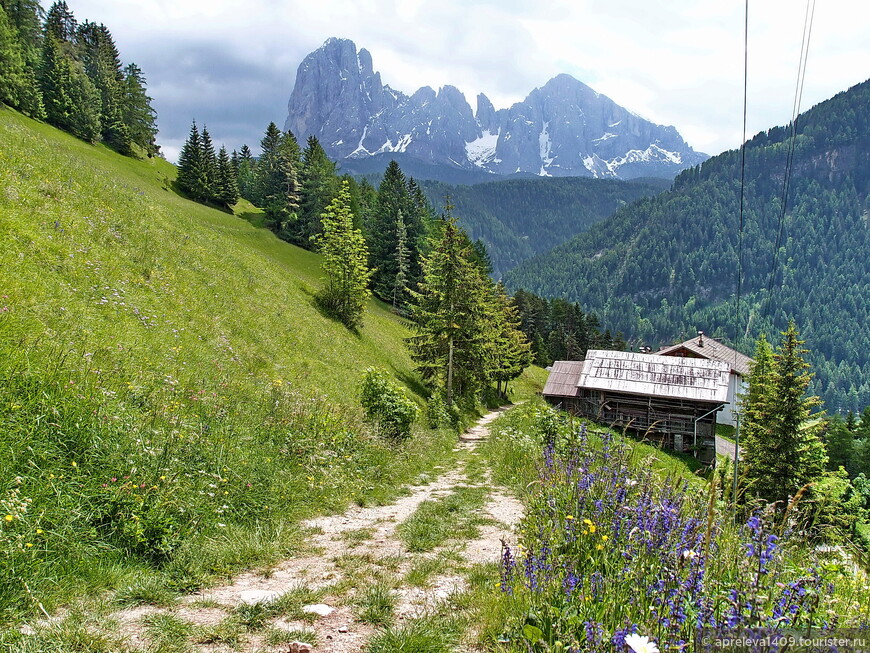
(664, 267)
(519, 218)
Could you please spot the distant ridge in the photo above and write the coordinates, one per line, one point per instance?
(562, 129)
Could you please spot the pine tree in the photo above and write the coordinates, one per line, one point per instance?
(783, 451)
(449, 314)
(191, 169)
(227, 189)
(102, 64)
(137, 113)
(392, 202)
(400, 284)
(318, 187)
(209, 166)
(247, 174)
(345, 262)
(277, 188)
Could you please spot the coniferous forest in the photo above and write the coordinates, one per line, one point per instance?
(70, 74)
(664, 267)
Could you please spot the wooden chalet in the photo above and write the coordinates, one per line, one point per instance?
(709, 349)
(672, 401)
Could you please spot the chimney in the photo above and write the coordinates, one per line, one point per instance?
(700, 338)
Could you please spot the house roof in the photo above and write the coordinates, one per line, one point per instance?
(713, 350)
(674, 377)
(563, 378)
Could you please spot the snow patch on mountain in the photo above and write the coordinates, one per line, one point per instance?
(482, 150)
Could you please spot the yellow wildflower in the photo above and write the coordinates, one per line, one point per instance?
(9, 518)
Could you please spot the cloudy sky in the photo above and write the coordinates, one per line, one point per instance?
(231, 63)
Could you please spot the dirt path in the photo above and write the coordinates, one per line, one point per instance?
(350, 552)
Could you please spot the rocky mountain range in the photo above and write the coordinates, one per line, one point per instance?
(561, 129)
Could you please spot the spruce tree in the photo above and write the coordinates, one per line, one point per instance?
(191, 168)
(277, 187)
(227, 189)
(449, 315)
(60, 23)
(382, 234)
(71, 101)
(400, 284)
(137, 113)
(783, 451)
(318, 186)
(247, 174)
(345, 262)
(13, 66)
(209, 163)
(510, 350)
(102, 63)
(25, 18)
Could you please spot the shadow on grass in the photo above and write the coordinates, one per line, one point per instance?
(326, 311)
(415, 384)
(175, 188)
(254, 219)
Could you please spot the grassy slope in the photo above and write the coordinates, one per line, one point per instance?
(147, 336)
(80, 224)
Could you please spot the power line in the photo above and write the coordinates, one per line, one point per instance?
(740, 242)
(742, 171)
(789, 163)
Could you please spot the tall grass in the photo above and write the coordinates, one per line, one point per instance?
(611, 547)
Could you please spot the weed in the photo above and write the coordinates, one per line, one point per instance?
(168, 634)
(357, 536)
(424, 635)
(376, 604)
(278, 636)
(453, 517)
(423, 569)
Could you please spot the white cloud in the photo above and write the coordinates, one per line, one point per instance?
(232, 62)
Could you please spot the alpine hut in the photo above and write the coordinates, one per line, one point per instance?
(707, 348)
(670, 400)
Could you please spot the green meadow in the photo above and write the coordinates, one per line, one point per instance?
(172, 402)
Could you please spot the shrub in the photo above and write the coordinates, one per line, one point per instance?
(386, 405)
(438, 413)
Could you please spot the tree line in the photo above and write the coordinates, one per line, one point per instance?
(70, 75)
(559, 330)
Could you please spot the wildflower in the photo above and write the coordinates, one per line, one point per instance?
(39, 531)
(641, 644)
(569, 517)
(9, 518)
(29, 544)
(75, 464)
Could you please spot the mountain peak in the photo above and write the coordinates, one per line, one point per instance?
(564, 128)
